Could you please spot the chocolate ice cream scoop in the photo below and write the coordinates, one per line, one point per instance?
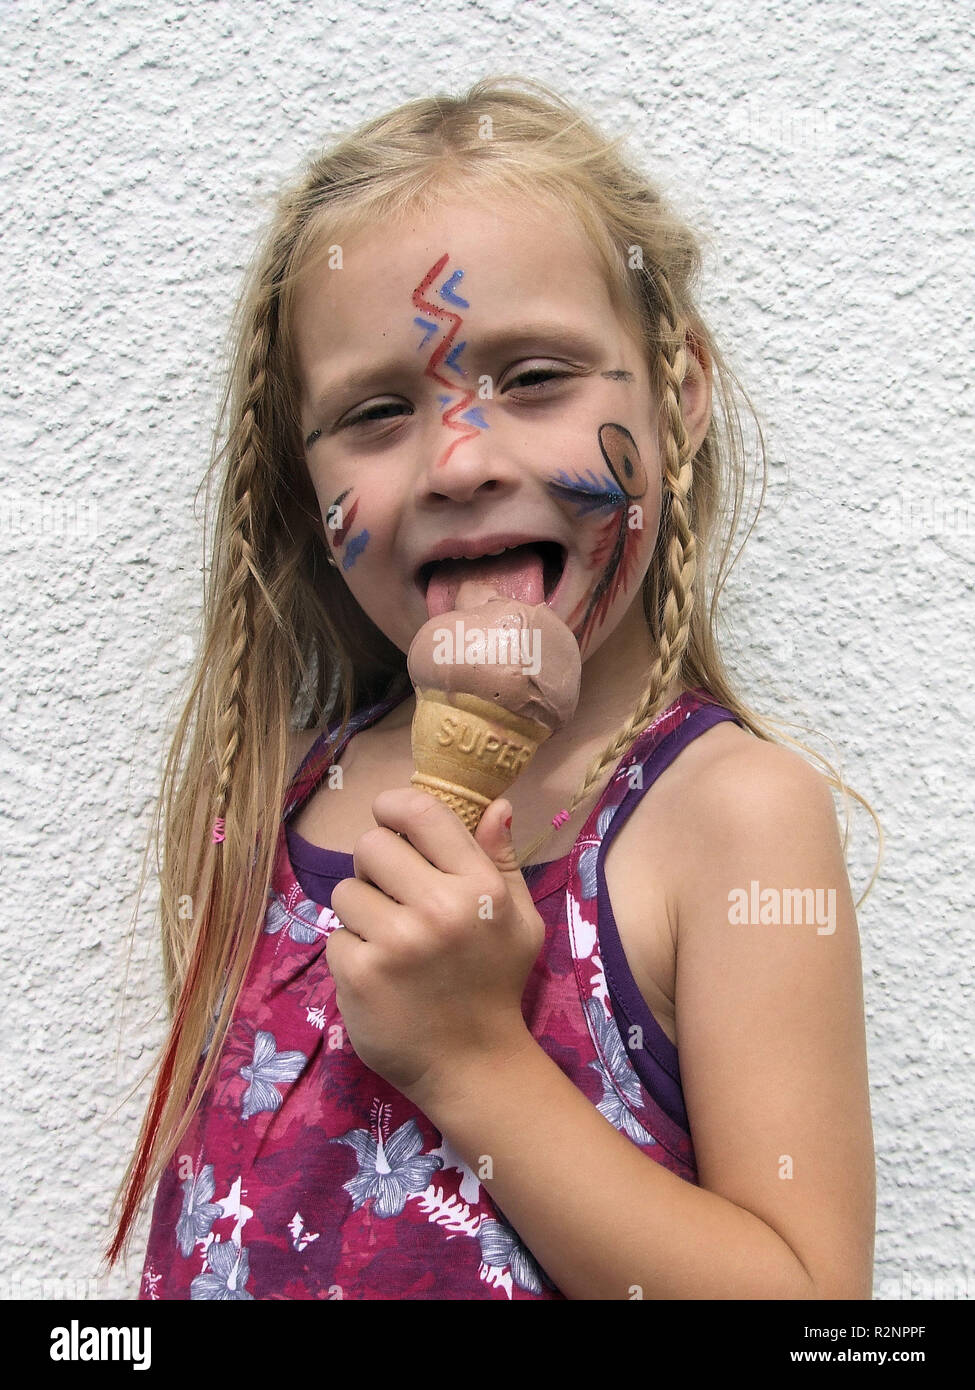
(517, 655)
(493, 681)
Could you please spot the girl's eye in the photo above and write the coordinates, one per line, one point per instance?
(373, 414)
(369, 415)
(541, 374)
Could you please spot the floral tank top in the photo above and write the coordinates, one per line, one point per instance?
(305, 1175)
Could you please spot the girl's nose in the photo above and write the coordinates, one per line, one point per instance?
(460, 464)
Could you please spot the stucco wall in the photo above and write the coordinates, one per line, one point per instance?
(826, 148)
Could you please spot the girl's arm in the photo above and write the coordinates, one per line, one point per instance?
(770, 1032)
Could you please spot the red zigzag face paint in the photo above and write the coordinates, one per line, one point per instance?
(447, 352)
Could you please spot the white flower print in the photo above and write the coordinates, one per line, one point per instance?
(199, 1210)
(268, 1066)
(610, 1046)
(470, 1183)
(300, 917)
(388, 1172)
(229, 1270)
(233, 1205)
(299, 1236)
(501, 1248)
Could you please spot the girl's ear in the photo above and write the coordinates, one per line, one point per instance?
(695, 391)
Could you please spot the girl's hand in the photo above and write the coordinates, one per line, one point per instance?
(441, 938)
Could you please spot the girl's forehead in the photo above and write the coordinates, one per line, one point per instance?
(474, 258)
(488, 225)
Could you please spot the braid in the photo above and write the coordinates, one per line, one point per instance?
(678, 544)
(242, 573)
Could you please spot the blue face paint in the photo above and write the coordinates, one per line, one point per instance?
(354, 549)
(430, 329)
(587, 494)
(447, 291)
(451, 358)
(354, 545)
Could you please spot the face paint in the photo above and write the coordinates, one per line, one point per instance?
(620, 452)
(358, 542)
(617, 375)
(617, 543)
(445, 352)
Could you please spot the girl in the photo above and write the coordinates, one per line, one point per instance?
(408, 1062)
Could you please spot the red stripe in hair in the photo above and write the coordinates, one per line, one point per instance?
(158, 1101)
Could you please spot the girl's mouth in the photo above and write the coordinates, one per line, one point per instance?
(531, 573)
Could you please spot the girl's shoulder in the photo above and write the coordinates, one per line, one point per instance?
(730, 773)
(727, 786)
(300, 743)
(728, 797)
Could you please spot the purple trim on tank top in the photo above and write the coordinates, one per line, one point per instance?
(656, 1062)
(318, 870)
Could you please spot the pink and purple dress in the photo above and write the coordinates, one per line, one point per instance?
(305, 1175)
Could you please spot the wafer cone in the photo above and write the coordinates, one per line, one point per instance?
(467, 751)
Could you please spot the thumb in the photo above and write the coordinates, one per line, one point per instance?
(494, 837)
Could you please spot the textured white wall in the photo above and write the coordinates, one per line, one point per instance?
(827, 148)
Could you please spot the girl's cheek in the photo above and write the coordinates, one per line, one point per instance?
(607, 506)
(347, 536)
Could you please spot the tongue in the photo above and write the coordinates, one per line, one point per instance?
(516, 573)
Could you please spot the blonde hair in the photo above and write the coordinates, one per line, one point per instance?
(284, 644)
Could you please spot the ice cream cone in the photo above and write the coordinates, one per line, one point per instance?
(467, 751)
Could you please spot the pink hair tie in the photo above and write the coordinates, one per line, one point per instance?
(218, 829)
(560, 819)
